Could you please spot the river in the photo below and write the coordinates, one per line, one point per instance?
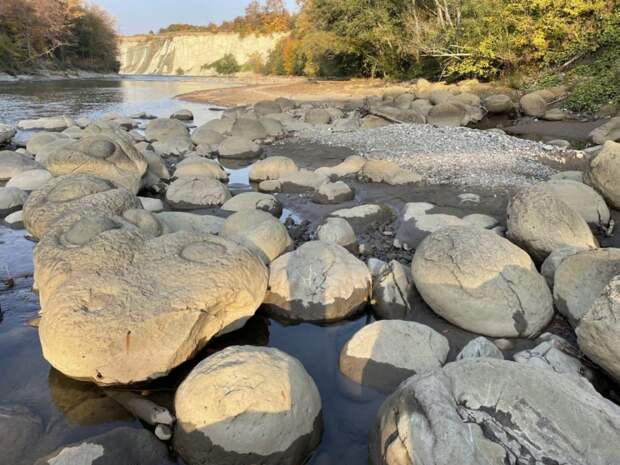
(70, 410)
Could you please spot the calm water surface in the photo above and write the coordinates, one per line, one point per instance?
(72, 410)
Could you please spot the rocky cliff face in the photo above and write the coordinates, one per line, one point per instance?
(190, 53)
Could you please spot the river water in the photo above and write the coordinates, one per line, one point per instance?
(70, 410)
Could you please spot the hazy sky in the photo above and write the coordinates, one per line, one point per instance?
(137, 16)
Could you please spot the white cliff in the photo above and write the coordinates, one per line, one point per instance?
(190, 53)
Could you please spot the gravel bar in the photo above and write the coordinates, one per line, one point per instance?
(449, 155)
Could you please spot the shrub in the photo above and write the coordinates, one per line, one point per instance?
(226, 65)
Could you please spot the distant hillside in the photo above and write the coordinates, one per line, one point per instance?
(191, 53)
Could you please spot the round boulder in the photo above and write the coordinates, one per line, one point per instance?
(338, 231)
(66, 199)
(333, 192)
(30, 180)
(11, 199)
(247, 405)
(603, 173)
(385, 353)
(248, 129)
(271, 168)
(198, 166)
(317, 116)
(540, 222)
(447, 114)
(481, 282)
(102, 155)
(206, 136)
(182, 115)
(485, 411)
(498, 103)
(191, 192)
(146, 305)
(259, 231)
(533, 105)
(318, 282)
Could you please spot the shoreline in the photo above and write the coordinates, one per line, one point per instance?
(47, 76)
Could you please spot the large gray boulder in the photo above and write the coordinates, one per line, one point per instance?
(271, 168)
(448, 114)
(165, 128)
(182, 115)
(121, 446)
(103, 155)
(484, 411)
(174, 146)
(147, 305)
(41, 139)
(247, 405)
(540, 222)
(30, 180)
(190, 192)
(581, 278)
(317, 116)
(385, 353)
(583, 199)
(481, 282)
(258, 231)
(51, 123)
(268, 107)
(223, 126)
(597, 333)
(14, 163)
(603, 173)
(66, 199)
(318, 282)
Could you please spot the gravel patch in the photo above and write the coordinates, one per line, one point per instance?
(457, 156)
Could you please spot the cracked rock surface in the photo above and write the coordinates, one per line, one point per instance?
(495, 412)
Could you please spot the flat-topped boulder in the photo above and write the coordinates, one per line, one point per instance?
(254, 201)
(362, 217)
(540, 222)
(258, 231)
(103, 155)
(198, 166)
(482, 282)
(448, 114)
(51, 123)
(385, 353)
(301, 181)
(146, 313)
(491, 412)
(318, 282)
(271, 168)
(580, 278)
(603, 173)
(333, 192)
(189, 192)
(66, 199)
(14, 163)
(350, 166)
(247, 405)
(41, 139)
(248, 128)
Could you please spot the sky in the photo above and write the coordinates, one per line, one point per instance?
(141, 16)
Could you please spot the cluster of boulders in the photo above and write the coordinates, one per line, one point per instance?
(129, 292)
